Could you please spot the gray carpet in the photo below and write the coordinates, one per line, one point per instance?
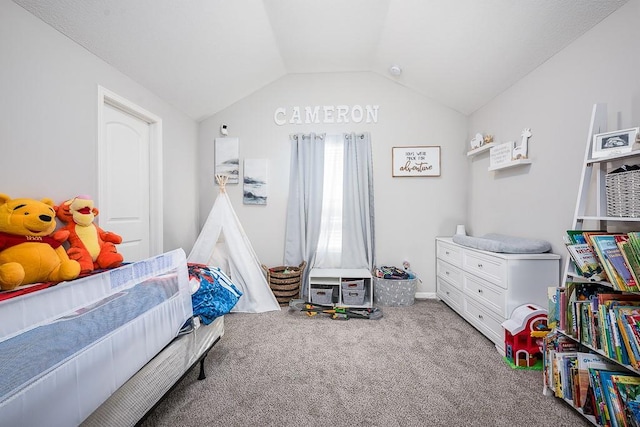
(421, 365)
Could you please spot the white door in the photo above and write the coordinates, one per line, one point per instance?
(125, 182)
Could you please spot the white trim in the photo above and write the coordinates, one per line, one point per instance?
(425, 295)
(105, 96)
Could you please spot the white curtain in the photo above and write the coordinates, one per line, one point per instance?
(304, 208)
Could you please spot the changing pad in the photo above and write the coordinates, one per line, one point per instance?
(494, 242)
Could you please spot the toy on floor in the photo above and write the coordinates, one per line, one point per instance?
(28, 253)
(522, 335)
(336, 313)
(90, 245)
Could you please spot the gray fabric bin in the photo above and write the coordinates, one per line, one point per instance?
(393, 292)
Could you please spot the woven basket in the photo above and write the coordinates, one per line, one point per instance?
(285, 282)
(623, 194)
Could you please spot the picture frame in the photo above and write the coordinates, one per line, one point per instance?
(227, 159)
(255, 182)
(612, 143)
(420, 160)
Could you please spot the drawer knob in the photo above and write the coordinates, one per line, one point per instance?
(447, 292)
(479, 291)
(479, 265)
(446, 252)
(480, 316)
(446, 272)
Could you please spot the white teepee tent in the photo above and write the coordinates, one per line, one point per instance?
(222, 243)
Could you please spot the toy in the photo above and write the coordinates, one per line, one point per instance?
(522, 335)
(91, 246)
(477, 141)
(520, 152)
(28, 253)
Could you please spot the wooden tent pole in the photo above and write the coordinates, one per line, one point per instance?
(222, 181)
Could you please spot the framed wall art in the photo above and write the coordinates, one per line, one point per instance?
(255, 182)
(227, 158)
(416, 161)
(611, 143)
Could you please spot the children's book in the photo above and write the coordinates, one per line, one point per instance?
(630, 257)
(576, 236)
(617, 260)
(611, 401)
(584, 362)
(585, 260)
(628, 392)
(601, 243)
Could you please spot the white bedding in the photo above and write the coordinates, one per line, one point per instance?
(67, 348)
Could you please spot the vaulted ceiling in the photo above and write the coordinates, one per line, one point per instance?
(203, 55)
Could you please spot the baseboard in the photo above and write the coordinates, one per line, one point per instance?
(425, 295)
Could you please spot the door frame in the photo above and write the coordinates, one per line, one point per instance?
(105, 96)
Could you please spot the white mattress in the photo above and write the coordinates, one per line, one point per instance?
(67, 348)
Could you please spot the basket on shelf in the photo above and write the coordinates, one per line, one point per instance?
(284, 281)
(623, 194)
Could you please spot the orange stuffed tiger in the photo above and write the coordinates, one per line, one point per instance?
(91, 246)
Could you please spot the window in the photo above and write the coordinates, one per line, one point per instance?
(329, 250)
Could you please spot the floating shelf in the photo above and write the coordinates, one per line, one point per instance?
(511, 164)
(482, 149)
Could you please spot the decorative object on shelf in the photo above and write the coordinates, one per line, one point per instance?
(520, 151)
(477, 141)
(460, 230)
(227, 159)
(612, 143)
(501, 154)
(523, 332)
(255, 182)
(488, 139)
(416, 161)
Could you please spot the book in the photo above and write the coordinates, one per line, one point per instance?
(613, 409)
(601, 243)
(576, 236)
(632, 259)
(619, 264)
(585, 260)
(628, 390)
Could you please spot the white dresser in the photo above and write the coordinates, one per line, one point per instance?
(485, 287)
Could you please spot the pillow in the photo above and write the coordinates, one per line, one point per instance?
(494, 242)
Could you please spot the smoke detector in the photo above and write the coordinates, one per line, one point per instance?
(395, 70)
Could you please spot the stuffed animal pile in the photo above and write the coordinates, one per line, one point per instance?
(32, 251)
(28, 253)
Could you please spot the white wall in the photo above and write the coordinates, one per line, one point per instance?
(555, 101)
(48, 130)
(410, 212)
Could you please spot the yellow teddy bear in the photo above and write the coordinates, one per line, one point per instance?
(27, 252)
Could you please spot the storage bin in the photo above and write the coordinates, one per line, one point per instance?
(392, 292)
(353, 285)
(353, 297)
(623, 194)
(321, 295)
(284, 281)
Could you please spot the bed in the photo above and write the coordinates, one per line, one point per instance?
(100, 350)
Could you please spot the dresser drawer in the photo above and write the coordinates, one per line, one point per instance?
(484, 321)
(489, 268)
(449, 253)
(487, 294)
(449, 294)
(449, 272)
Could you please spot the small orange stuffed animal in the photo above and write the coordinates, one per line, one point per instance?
(90, 245)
